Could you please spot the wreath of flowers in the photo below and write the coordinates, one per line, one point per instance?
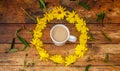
(61, 13)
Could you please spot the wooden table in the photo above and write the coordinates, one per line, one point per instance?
(96, 49)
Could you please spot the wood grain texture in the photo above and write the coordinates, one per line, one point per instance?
(99, 60)
(11, 12)
(7, 32)
(59, 68)
(95, 55)
(68, 48)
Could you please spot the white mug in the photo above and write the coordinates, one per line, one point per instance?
(70, 38)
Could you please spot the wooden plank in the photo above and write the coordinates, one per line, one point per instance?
(98, 60)
(95, 55)
(7, 32)
(67, 48)
(11, 12)
(58, 68)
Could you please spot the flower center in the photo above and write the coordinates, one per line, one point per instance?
(59, 12)
(74, 16)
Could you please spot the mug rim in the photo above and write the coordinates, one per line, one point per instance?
(63, 27)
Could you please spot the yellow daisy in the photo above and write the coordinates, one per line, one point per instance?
(72, 17)
(37, 34)
(43, 54)
(80, 25)
(34, 41)
(84, 29)
(41, 24)
(59, 12)
(70, 59)
(39, 43)
(49, 16)
(80, 50)
(57, 59)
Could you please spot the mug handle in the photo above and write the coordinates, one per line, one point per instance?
(72, 38)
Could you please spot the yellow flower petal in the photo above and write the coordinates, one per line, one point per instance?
(70, 59)
(57, 59)
(60, 13)
(49, 16)
(43, 54)
(72, 17)
(80, 50)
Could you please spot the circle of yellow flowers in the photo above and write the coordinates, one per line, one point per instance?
(60, 13)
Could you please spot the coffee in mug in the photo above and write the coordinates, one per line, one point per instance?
(60, 34)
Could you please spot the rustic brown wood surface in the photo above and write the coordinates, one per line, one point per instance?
(95, 55)
(13, 17)
(12, 11)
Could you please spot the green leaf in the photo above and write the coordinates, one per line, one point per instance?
(13, 43)
(25, 60)
(19, 30)
(91, 37)
(25, 63)
(107, 58)
(13, 50)
(33, 63)
(106, 36)
(87, 67)
(100, 16)
(42, 4)
(28, 14)
(84, 5)
(24, 42)
(25, 48)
